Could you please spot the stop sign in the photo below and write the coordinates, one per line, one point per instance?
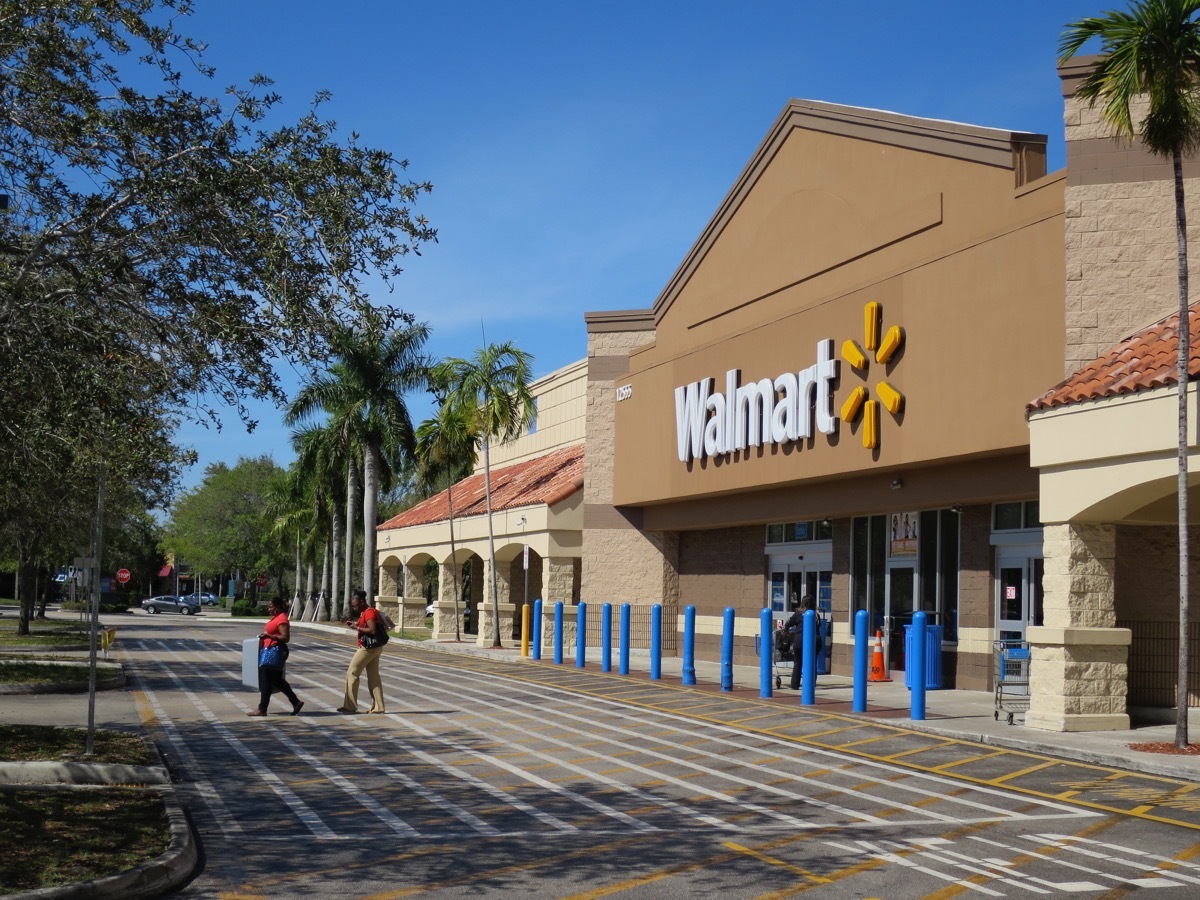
(122, 575)
(261, 581)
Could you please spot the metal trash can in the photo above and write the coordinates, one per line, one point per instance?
(933, 656)
(250, 662)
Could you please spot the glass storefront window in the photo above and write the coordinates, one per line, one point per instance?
(936, 562)
(1016, 516)
(799, 532)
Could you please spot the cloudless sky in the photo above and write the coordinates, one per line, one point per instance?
(578, 149)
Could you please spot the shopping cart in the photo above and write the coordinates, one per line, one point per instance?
(1012, 677)
(781, 653)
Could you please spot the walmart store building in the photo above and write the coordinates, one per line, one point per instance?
(904, 368)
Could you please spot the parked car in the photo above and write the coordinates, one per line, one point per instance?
(203, 599)
(167, 603)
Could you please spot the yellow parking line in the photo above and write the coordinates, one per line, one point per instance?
(903, 753)
(1048, 764)
(958, 762)
(762, 857)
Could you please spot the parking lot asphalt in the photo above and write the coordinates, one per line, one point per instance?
(954, 715)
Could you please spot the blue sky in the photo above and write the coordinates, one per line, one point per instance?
(578, 149)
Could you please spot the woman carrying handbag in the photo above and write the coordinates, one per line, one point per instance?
(272, 654)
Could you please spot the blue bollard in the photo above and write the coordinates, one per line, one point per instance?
(581, 635)
(860, 660)
(766, 653)
(689, 645)
(656, 642)
(537, 629)
(606, 637)
(624, 655)
(916, 664)
(558, 630)
(808, 659)
(727, 650)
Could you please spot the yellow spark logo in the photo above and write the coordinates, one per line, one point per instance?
(883, 350)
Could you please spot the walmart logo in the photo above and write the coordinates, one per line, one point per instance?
(858, 404)
(793, 406)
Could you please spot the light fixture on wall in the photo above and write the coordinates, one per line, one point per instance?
(897, 483)
(956, 509)
(825, 522)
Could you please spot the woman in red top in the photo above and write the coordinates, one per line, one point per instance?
(270, 676)
(369, 625)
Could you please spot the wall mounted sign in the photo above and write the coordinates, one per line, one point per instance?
(790, 407)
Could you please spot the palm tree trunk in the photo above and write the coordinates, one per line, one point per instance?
(487, 493)
(453, 559)
(323, 595)
(1185, 331)
(336, 528)
(298, 606)
(370, 513)
(347, 577)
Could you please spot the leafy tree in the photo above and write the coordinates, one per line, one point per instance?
(222, 525)
(492, 388)
(1152, 52)
(363, 396)
(165, 243)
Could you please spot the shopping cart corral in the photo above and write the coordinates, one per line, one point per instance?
(1012, 677)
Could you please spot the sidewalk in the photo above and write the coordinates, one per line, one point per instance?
(965, 715)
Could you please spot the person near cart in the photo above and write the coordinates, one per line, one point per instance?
(795, 627)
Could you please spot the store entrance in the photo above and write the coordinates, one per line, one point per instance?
(792, 581)
(899, 604)
(1018, 592)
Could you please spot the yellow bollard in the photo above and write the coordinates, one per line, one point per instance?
(526, 620)
(107, 636)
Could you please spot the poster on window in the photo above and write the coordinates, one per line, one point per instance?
(904, 534)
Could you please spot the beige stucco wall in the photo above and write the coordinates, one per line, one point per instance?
(1120, 233)
(621, 563)
(561, 400)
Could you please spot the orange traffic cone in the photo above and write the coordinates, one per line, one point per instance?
(878, 667)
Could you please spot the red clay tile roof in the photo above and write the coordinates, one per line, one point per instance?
(1141, 362)
(546, 479)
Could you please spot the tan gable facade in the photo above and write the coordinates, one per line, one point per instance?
(842, 361)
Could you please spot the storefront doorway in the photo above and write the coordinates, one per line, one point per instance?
(792, 578)
(899, 605)
(1019, 594)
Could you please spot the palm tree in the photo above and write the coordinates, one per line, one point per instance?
(363, 395)
(321, 464)
(1152, 51)
(446, 448)
(494, 386)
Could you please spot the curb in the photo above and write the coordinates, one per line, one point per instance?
(63, 687)
(58, 773)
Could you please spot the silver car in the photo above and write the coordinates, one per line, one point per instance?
(169, 603)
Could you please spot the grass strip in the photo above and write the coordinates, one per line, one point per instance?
(19, 672)
(54, 837)
(43, 743)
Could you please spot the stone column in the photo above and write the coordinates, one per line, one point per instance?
(1079, 672)
(559, 581)
(411, 598)
(443, 613)
(507, 610)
